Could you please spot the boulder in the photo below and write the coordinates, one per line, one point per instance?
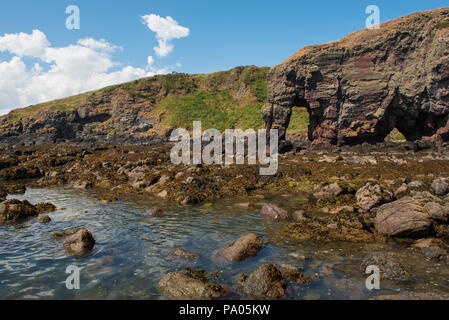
(190, 285)
(45, 207)
(271, 211)
(299, 215)
(44, 219)
(403, 218)
(241, 249)
(370, 196)
(440, 187)
(78, 242)
(390, 268)
(329, 191)
(429, 242)
(163, 194)
(437, 211)
(265, 283)
(401, 191)
(415, 184)
(17, 211)
(425, 197)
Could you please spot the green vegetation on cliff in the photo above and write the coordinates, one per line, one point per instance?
(221, 100)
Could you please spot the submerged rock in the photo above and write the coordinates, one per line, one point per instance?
(293, 273)
(17, 211)
(433, 253)
(154, 212)
(273, 212)
(190, 285)
(241, 249)
(108, 199)
(389, 266)
(44, 219)
(45, 207)
(78, 242)
(403, 218)
(181, 253)
(266, 282)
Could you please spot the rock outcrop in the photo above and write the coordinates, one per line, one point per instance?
(360, 88)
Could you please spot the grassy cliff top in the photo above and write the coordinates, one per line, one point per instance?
(221, 100)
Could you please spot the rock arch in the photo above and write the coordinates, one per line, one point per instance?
(358, 89)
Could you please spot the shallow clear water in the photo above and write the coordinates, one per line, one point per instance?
(132, 252)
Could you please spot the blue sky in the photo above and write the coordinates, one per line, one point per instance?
(222, 34)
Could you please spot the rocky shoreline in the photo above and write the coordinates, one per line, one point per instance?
(365, 194)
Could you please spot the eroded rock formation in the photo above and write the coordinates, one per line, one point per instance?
(360, 88)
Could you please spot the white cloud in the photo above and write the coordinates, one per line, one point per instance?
(166, 30)
(60, 72)
(164, 49)
(101, 44)
(150, 60)
(22, 44)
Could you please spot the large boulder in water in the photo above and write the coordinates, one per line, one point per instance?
(360, 88)
(239, 250)
(266, 282)
(77, 242)
(273, 212)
